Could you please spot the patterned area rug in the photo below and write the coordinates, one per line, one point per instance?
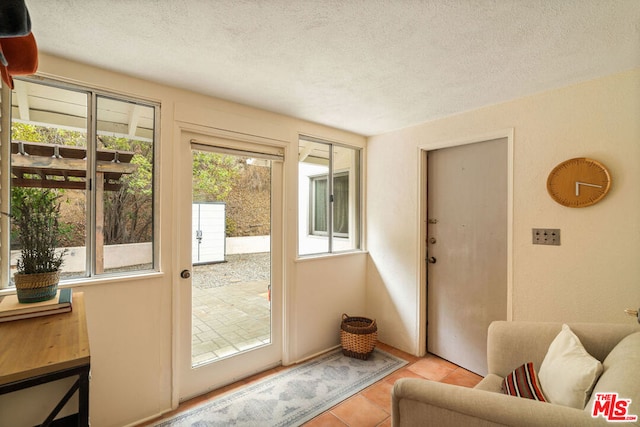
(294, 396)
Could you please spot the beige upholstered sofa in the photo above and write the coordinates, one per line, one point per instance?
(511, 344)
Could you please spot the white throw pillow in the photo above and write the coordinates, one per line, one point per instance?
(568, 373)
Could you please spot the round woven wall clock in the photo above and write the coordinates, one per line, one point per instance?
(579, 182)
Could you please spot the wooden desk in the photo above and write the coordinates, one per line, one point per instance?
(44, 349)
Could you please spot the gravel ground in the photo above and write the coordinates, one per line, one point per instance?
(236, 269)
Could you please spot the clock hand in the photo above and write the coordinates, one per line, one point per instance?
(578, 184)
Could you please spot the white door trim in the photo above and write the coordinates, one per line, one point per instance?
(421, 290)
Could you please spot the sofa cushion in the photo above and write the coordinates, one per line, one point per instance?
(568, 373)
(621, 374)
(523, 382)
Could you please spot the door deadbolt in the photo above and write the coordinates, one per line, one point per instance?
(185, 274)
(431, 260)
(432, 240)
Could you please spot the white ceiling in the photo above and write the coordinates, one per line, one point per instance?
(368, 66)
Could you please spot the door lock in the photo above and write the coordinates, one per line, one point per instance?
(185, 274)
(431, 260)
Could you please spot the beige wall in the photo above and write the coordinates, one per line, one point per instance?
(593, 276)
(131, 321)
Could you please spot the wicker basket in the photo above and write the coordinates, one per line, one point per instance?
(36, 287)
(358, 336)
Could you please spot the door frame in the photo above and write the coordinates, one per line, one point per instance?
(187, 131)
(421, 287)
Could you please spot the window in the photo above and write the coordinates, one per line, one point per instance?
(97, 153)
(329, 197)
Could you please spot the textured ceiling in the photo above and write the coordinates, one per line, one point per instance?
(368, 66)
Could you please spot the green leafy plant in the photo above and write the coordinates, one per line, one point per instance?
(35, 214)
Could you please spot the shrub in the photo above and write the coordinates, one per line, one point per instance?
(35, 213)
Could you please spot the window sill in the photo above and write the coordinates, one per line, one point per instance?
(83, 282)
(313, 257)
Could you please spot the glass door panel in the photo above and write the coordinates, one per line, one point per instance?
(231, 222)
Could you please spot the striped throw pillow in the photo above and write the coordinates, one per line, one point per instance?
(523, 382)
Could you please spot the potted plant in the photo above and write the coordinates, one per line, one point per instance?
(36, 213)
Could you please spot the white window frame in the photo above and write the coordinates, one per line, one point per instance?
(346, 242)
(5, 177)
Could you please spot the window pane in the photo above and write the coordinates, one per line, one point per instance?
(346, 199)
(124, 186)
(319, 201)
(313, 163)
(341, 205)
(48, 150)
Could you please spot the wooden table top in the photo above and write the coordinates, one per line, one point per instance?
(43, 345)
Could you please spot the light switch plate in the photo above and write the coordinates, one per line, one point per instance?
(546, 236)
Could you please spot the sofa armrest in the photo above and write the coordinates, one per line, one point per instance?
(417, 402)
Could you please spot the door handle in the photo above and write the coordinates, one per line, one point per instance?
(431, 260)
(185, 274)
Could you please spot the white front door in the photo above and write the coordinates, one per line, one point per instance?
(229, 312)
(466, 249)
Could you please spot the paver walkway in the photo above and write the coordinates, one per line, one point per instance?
(229, 318)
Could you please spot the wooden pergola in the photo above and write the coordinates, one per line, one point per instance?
(41, 165)
(35, 164)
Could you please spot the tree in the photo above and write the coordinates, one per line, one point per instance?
(128, 212)
(34, 133)
(213, 176)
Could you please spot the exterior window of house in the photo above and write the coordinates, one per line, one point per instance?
(329, 197)
(318, 202)
(96, 152)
